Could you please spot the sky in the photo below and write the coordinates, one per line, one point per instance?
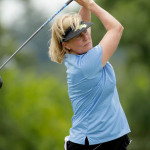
(10, 10)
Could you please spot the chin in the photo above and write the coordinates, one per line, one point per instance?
(88, 48)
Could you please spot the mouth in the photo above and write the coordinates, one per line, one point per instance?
(87, 44)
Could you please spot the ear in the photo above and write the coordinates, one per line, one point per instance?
(65, 44)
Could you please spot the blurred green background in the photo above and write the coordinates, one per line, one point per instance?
(35, 111)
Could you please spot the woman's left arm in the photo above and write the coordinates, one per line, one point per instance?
(85, 15)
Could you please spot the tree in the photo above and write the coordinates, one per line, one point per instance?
(134, 15)
(35, 112)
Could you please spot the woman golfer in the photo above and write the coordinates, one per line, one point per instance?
(99, 122)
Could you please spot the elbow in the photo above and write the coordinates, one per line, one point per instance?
(121, 28)
(118, 29)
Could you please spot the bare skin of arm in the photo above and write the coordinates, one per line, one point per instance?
(85, 15)
(113, 28)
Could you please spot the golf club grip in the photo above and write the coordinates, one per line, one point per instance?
(68, 2)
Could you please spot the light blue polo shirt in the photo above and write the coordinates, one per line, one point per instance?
(92, 90)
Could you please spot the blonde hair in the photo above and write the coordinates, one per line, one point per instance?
(56, 50)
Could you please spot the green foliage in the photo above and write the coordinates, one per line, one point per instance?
(35, 112)
(134, 94)
(8, 45)
(134, 16)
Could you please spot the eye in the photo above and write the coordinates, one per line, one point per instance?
(81, 34)
(78, 36)
(85, 31)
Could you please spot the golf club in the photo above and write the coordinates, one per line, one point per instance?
(67, 3)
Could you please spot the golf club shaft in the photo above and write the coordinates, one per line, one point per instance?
(67, 3)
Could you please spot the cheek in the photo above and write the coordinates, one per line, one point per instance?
(76, 45)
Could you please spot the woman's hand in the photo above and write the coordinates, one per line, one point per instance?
(85, 3)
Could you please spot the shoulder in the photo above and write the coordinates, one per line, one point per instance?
(88, 60)
(95, 50)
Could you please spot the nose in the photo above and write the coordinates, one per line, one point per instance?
(85, 35)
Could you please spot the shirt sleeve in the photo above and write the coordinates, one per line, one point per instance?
(91, 62)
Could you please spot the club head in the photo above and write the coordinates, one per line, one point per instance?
(1, 82)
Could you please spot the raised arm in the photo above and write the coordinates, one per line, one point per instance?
(85, 15)
(114, 29)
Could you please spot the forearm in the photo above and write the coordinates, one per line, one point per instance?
(85, 14)
(107, 19)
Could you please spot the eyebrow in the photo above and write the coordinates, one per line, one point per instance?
(81, 33)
